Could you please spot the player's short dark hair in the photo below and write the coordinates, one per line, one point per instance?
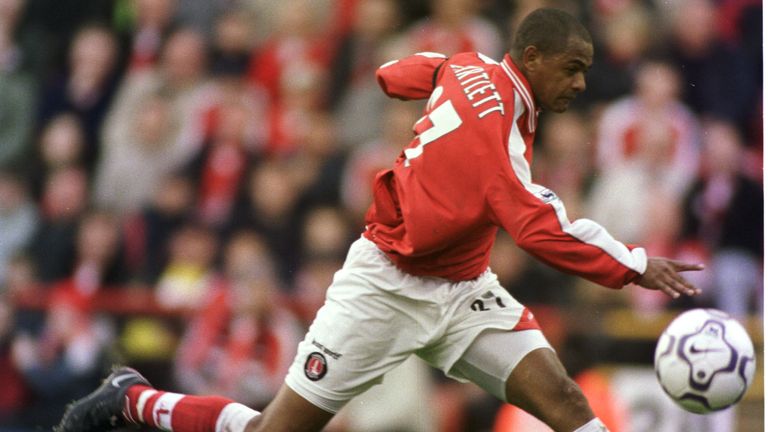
(549, 30)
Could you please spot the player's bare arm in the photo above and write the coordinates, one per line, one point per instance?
(663, 274)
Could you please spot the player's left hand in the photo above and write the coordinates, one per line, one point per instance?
(662, 274)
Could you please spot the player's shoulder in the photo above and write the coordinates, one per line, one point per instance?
(469, 63)
(473, 58)
(473, 68)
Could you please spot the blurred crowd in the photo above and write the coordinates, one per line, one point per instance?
(180, 179)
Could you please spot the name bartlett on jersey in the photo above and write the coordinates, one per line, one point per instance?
(476, 83)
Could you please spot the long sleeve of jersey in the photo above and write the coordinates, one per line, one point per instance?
(467, 172)
(536, 218)
(540, 226)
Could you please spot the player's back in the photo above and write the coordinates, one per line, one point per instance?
(430, 212)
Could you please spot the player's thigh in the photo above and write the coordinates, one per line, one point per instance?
(493, 355)
(361, 332)
(289, 412)
(342, 356)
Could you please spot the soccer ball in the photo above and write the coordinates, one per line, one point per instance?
(705, 360)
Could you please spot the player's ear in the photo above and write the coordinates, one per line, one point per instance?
(531, 58)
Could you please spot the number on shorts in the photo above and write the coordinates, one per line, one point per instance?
(479, 305)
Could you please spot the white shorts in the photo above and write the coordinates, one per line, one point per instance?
(375, 316)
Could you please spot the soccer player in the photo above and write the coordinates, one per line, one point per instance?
(417, 281)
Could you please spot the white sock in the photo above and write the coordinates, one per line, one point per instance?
(234, 417)
(595, 425)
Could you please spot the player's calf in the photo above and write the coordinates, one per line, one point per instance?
(127, 397)
(183, 413)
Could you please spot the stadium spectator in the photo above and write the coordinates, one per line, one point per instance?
(352, 95)
(300, 96)
(244, 338)
(325, 239)
(50, 27)
(98, 263)
(741, 28)
(718, 76)
(300, 40)
(146, 27)
(231, 51)
(325, 233)
(149, 147)
(455, 26)
(63, 203)
(233, 42)
(21, 279)
(723, 213)
(148, 232)
(18, 218)
(24, 294)
(96, 269)
(189, 275)
(647, 145)
(86, 88)
(318, 164)
(61, 144)
(180, 77)
(220, 167)
(246, 258)
(623, 42)
(270, 206)
(565, 159)
(61, 362)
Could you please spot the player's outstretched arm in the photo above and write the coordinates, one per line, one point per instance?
(663, 274)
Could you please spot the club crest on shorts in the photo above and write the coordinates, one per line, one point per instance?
(316, 366)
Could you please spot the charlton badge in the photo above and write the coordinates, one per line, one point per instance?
(315, 367)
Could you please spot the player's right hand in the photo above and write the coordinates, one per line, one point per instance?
(662, 274)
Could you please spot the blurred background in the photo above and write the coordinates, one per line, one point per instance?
(180, 179)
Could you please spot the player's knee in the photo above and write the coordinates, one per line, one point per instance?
(571, 396)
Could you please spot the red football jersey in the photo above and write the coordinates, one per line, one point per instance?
(467, 172)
